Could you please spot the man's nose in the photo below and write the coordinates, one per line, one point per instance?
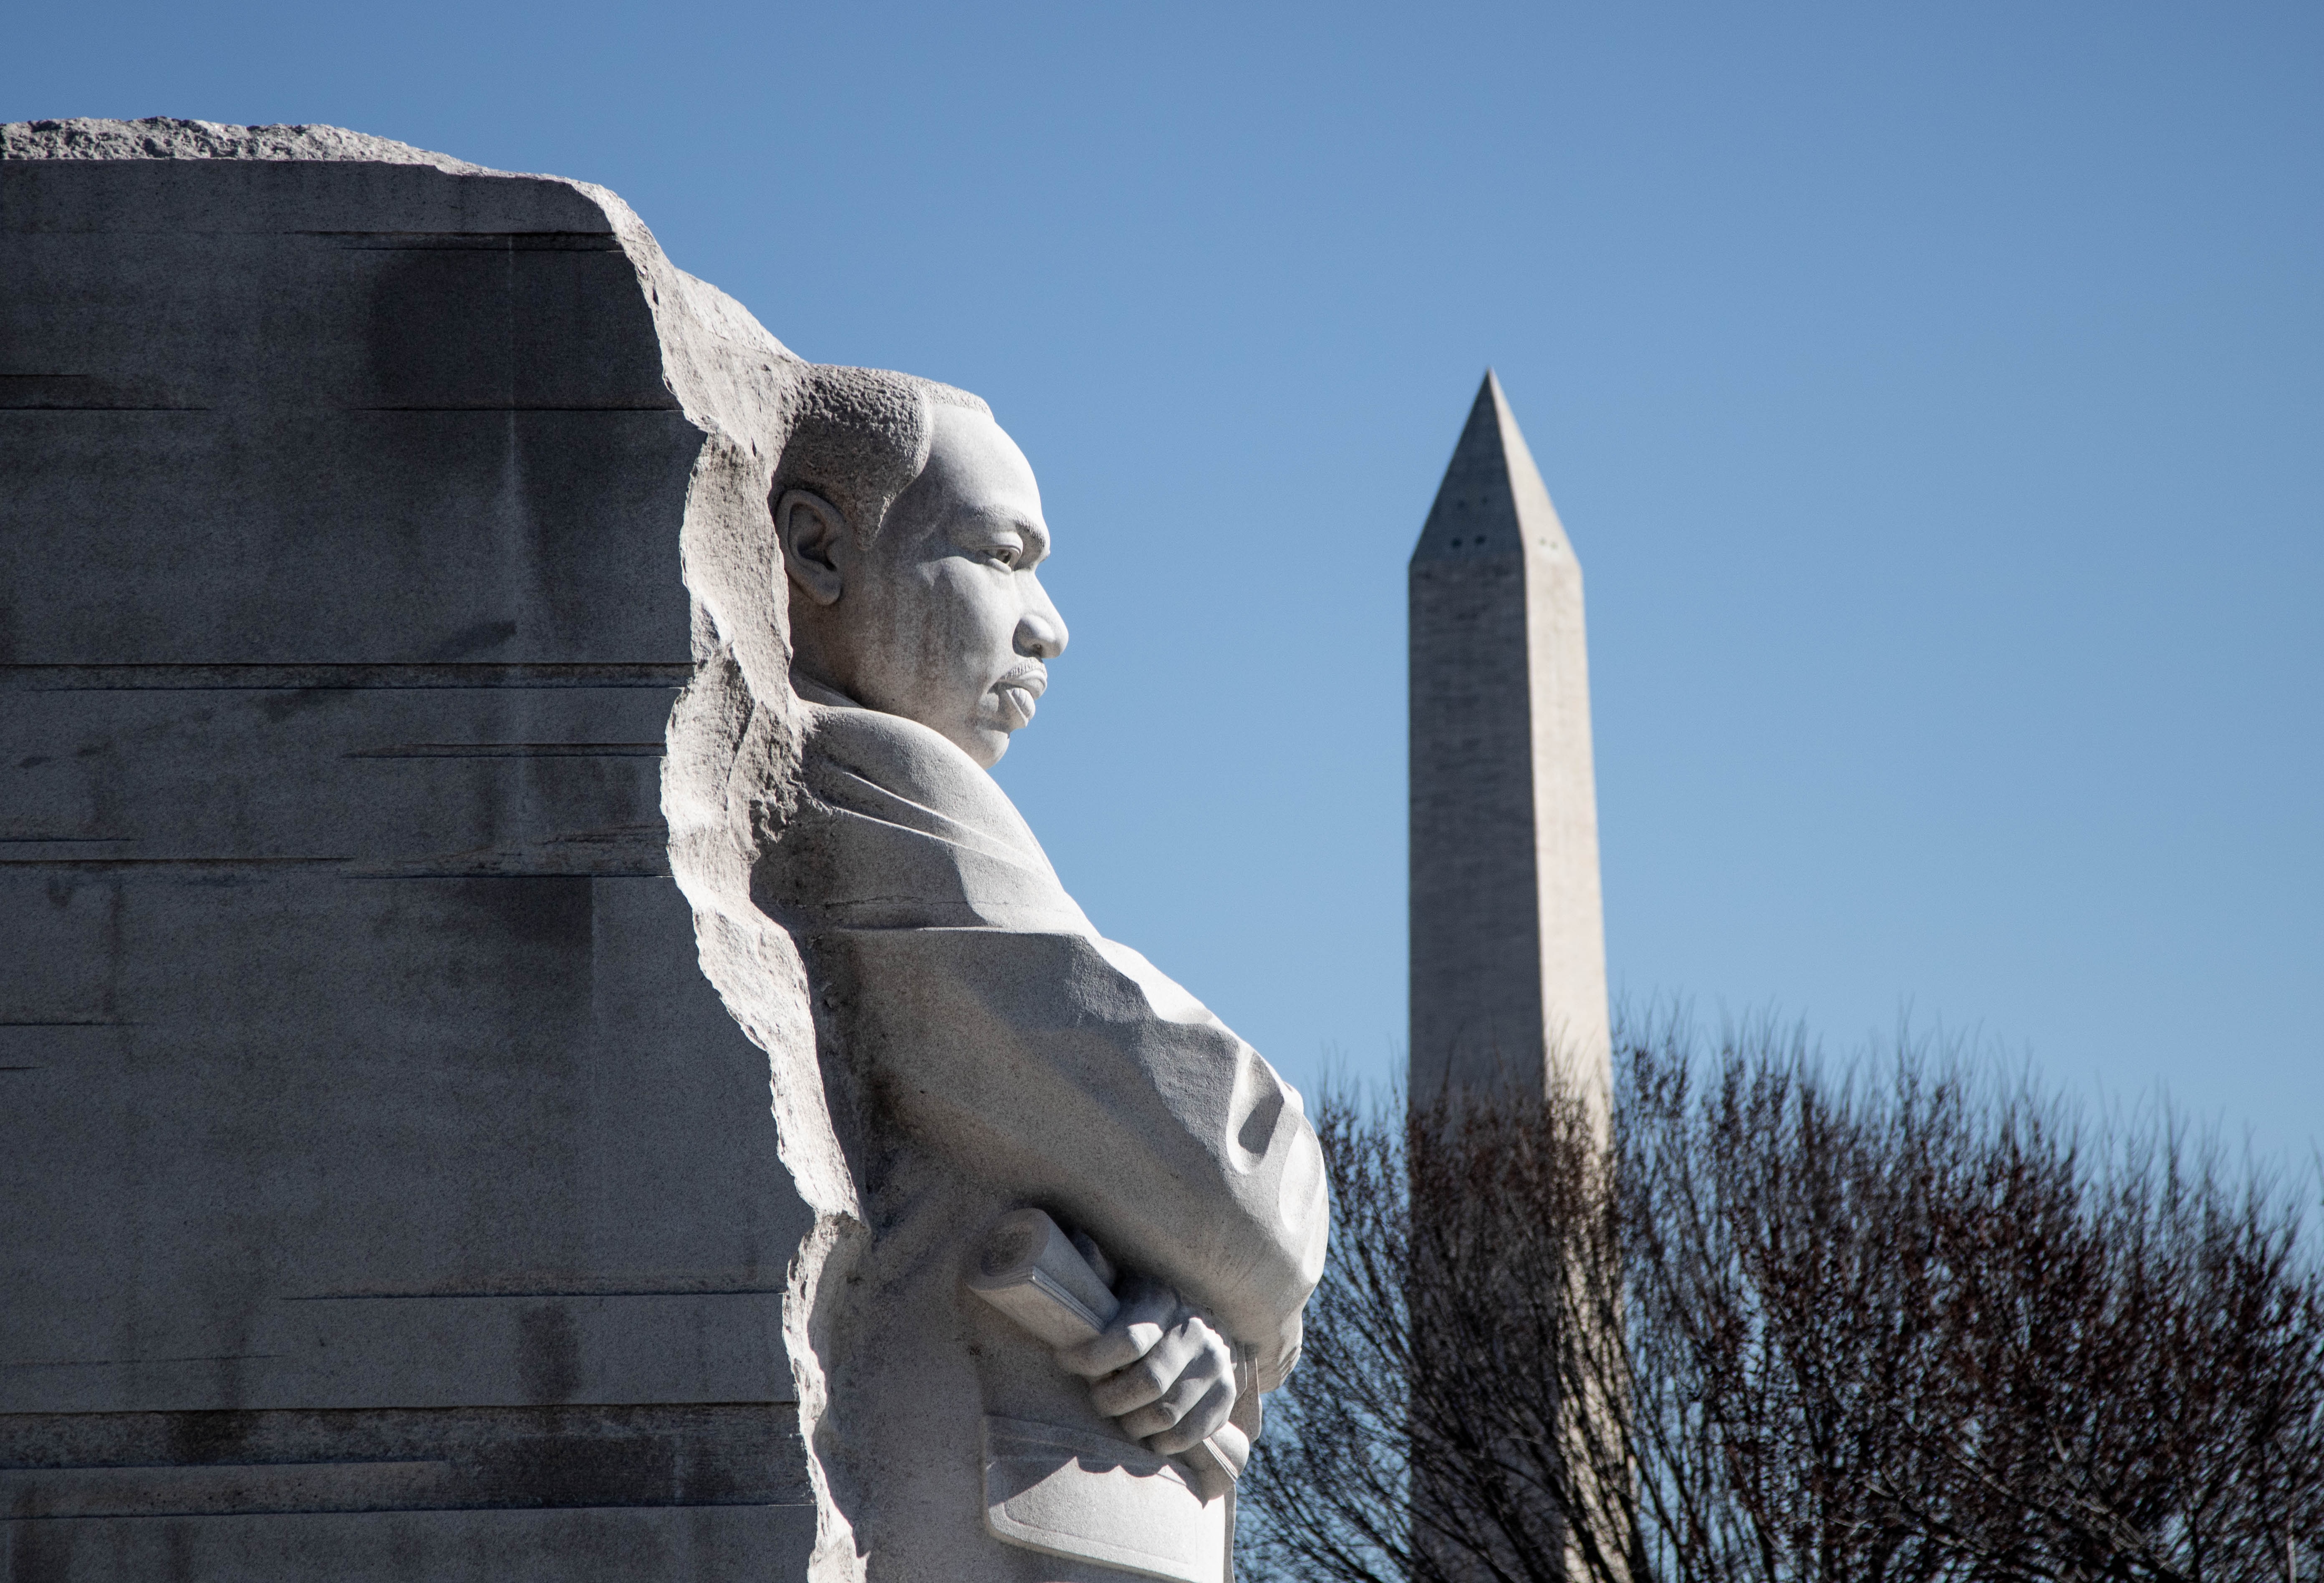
(1040, 630)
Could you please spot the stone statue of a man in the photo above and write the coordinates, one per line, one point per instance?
(981, 1048)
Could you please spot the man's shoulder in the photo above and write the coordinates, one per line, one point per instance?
(903, 828)
(902, 757)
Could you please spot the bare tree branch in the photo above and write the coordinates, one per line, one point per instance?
(1793, 1327)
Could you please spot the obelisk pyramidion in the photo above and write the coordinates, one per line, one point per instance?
(1508, 955)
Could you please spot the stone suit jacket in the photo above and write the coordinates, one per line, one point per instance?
(984, 1048)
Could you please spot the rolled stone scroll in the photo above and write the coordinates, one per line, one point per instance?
(1029, 1270)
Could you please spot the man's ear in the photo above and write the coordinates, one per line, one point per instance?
(810, 529)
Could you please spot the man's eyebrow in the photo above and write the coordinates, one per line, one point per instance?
(1034, 533)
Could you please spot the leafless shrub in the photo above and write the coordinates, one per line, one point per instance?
(1786, 1327)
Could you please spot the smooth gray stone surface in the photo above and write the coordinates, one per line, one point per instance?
(713, 1544)
(355, 1059)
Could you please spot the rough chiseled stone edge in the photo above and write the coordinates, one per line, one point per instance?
(170, 137)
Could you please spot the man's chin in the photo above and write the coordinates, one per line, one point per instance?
(984, 742)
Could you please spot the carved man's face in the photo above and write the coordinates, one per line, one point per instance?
(943, 619)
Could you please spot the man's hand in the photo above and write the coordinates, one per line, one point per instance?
(1160, 1369)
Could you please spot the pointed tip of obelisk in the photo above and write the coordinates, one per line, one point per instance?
(1492, 500)
(1491, 396)
(1487, 415)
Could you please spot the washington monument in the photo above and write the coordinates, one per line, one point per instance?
(1508, 954)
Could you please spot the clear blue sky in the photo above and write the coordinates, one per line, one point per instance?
(1932, 395)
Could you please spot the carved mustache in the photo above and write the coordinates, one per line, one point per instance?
(1029, 674)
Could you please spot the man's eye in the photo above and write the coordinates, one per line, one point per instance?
(1005, 554)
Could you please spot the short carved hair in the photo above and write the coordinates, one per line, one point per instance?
(860, 436)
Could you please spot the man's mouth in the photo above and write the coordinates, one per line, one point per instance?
(1016, 691)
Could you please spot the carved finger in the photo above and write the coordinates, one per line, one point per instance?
(1141, 1324)
(1151, 1376)
(1204, 1391)
(1206, 1417)
(1147, 1381)
(1188, 1394)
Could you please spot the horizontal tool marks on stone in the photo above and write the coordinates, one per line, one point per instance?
(216, 1463)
